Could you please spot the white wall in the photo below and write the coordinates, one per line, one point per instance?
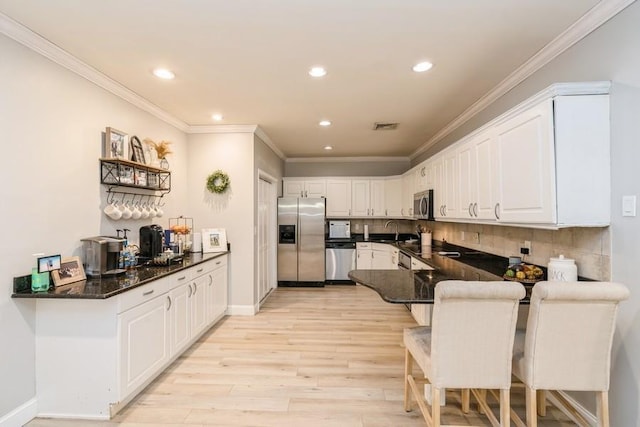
(233, 210)
(51, 123)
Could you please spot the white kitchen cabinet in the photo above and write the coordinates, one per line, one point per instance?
(338, 198)
(377, 197)
(144, 343)
(526, 162)
(360, 198)
(446, 183)
(217, 290)
(364, 256)
(312, 188)
(393, 197)
(199, 287)
(375, 256)
(394, 258)
(408, 191)
(424, 178)
(180, 318)
(110, 349)
(553, 163)
(477, 177)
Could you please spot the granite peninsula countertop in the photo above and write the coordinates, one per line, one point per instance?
(417, 287)
(106, 287)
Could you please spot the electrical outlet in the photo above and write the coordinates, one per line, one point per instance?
(473, 237)
(525, 248)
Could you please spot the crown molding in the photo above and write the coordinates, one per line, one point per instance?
(222, 129)
(590, 21)
(345, 159)
(37, 43)
(265, 138)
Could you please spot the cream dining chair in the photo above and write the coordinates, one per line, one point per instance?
(567, 345)
(468, 346)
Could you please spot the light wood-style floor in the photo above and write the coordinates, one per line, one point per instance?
(325, 357)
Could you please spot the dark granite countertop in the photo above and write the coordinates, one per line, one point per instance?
(415, 287)
(106, 287)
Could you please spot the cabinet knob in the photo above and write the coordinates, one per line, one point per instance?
(475, 210)
(169, 301)
(200, 270)
(470, 207)
(144, 294)
(190, 290)
(496, 210)
(195, 288)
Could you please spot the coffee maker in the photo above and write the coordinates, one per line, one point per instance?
(102, 255)
(150, 241)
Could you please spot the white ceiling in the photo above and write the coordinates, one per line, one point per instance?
(248, 60)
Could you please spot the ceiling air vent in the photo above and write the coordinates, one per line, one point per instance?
(385, 126)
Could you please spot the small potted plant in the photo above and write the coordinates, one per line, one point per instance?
(162, 149)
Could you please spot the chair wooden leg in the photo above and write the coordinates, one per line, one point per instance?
(603, 408)
(435, 406)
(541, 399)
(532, 416)
(408, 369)
(505, 408)
(465, 400)
(483, 397)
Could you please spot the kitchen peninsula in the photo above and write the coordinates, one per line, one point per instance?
(100, 342)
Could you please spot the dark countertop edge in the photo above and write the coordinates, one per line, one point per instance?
(52, 295)
(396, 300)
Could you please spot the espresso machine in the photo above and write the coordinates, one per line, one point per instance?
(150, 241)
(102, 255)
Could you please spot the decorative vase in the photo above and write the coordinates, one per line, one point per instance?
(164, 163)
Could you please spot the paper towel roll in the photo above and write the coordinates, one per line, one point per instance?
(425, 239)
(366, 232)
(197, 242)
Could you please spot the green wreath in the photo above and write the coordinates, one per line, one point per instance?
(218, 182)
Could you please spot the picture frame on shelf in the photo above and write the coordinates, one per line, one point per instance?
(49, 263)
(137, 152)
(70, 271)
(214, 240)
(115, 144)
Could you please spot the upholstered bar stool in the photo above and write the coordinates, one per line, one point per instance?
(468, 346)
(567, 344)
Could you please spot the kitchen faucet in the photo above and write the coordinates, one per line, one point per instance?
(386, 224)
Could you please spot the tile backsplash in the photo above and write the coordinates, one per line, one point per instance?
(590, 247)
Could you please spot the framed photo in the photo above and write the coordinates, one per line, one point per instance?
(214, 240)
(137, 152)
(49, 263)
(115, 144)
(70, 271)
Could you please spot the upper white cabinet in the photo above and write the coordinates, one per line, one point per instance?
(553, 163)
(408, 190)
(446, 183)
(312, 188)
(393, 197)
(377, 199)
(360, 198)
(338, 198)
(477, 177)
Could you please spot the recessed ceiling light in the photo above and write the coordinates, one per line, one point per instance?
(422, 66)
(163, 73)
(217, 117)
(325, 123)
(328, 147)
(317, 72)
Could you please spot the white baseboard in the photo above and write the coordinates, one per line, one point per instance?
(21, 415)
(241, 310)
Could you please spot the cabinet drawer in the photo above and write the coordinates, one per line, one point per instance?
(180, 278)
(203, 268)
(363, 245)
(142, 294)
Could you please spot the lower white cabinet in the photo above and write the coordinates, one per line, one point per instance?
(421, 312)
(94, 355)
(144, 343)
(375, 256)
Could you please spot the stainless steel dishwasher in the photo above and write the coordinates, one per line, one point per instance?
(340, 260)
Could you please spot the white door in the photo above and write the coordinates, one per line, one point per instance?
(393, 197)
(180, 331)
(377, 196)
(199, 304)
(266, 238)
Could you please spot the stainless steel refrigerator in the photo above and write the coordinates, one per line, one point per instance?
(301, 242)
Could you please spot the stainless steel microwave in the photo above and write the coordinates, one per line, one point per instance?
(423, 205)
